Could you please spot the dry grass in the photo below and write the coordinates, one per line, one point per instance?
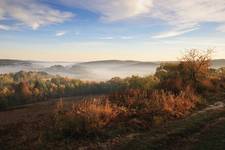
(85, 118)
(158, 101)
(176, 105)
(90, 118)
(100, 119)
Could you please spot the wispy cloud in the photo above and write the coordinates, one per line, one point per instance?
(112, 10)
(176, 14)
(185, 14)
(189, 14)
(60, 33)
(32, 13)
(4, 27)
(172, 33)
(221, 28)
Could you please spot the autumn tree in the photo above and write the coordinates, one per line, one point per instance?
(24, 92)
(195, 66)
(192, 70)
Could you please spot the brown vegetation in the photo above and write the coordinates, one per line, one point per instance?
(91, 118)
(133, 104)
(173, 92)
(84, 119)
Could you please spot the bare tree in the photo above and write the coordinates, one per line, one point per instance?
(195, 64)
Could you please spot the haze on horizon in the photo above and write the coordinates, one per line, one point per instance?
(146, 30)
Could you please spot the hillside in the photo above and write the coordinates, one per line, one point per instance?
(93, 70)
(181, 106)
(115, 63)
(217, 63)
(9, 62)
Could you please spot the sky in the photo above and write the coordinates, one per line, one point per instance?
(85, 30)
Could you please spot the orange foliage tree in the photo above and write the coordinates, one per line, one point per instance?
(192, 70)
(195, 66)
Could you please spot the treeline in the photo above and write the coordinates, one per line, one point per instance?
(28, 87)
(193, 71)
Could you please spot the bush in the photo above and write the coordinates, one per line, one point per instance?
(134, 110)
(175, 105)
(85, 119)
(157, 102)
(193, 70)
(3, 103)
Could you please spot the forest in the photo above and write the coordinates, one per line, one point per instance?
(28, 87)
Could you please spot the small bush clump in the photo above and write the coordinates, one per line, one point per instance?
(84, 119)
(176, 105)
(157, 101)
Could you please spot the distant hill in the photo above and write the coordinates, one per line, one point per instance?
(218, 63)
(6, 62)
(57, 68)
(106, 69)
(93, 70)
(115, 62)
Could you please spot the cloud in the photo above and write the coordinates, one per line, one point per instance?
(113, 10)
(182, 14)
(61, 33)
(221, 28)
(179, 15)
(189, 14)
(32, 13)
(4, 27)
(172, 33)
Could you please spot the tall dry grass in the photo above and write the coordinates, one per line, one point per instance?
(175, 105)
(90, 118)
(85, 119)
(158, 101)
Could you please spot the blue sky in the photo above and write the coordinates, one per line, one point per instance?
(82, 30)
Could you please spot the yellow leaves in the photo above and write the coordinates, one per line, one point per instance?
(4, 92)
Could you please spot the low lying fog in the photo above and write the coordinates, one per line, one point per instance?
(98, 71)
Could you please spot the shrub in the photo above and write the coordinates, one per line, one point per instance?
(85, 119)
(136, 110)
(157, 102)
(176, 105)
(193, 70)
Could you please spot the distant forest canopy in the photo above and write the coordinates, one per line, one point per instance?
(194, 70)
(27, 87)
